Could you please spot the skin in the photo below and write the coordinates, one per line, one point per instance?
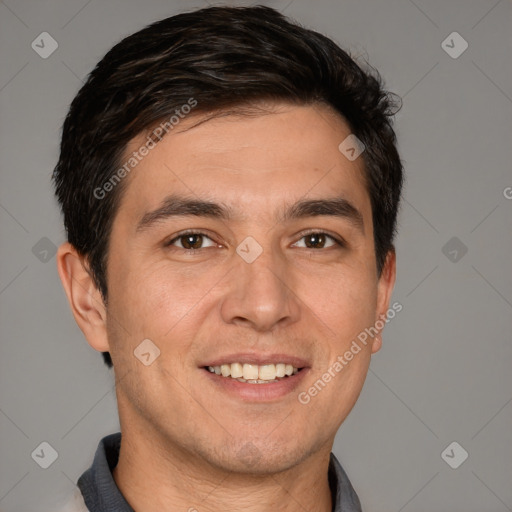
(184, 442)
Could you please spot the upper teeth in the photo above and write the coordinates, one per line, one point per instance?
(254, 371)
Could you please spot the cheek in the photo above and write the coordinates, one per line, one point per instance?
(343, 299)
(160, 297)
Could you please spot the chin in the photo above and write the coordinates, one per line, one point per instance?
(260, 457)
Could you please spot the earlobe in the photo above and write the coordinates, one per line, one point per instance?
(84, 297)
(377, 343)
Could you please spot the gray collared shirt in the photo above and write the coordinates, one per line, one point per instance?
(99, 492)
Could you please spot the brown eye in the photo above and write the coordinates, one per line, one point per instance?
(191, 241)
(317, 240)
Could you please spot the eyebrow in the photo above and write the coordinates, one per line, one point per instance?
(179, 206)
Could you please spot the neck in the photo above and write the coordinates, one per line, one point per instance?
(154, 475)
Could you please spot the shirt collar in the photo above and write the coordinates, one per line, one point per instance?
(101, 493)
(97, 484)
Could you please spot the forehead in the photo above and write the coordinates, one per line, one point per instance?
(254, 163)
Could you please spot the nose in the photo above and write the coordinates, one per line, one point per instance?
(261, 295)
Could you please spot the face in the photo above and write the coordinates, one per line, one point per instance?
(257, 278)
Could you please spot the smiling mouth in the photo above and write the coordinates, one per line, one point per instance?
(253, 373)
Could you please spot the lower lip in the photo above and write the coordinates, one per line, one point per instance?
(257, 392)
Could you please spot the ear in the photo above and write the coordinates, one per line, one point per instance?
(384, 290)
(84, 297)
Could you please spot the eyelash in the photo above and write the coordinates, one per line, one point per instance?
(338, 241)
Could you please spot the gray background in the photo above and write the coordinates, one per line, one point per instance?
(444, 373)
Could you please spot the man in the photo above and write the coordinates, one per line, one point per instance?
(230, 184)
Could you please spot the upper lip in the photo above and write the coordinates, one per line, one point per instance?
(257, 358)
